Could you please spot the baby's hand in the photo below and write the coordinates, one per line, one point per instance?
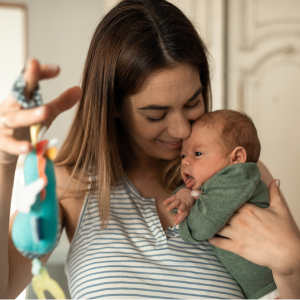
(183, 201)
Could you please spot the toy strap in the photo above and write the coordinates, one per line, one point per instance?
(42, 282)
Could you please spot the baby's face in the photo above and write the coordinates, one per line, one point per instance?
(202, 156)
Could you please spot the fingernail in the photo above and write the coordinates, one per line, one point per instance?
(39, 111)
(53, 68)
(24, 148)
(278, 182)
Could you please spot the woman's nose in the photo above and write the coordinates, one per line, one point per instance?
(180, 127)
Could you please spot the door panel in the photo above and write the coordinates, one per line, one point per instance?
(263, 80)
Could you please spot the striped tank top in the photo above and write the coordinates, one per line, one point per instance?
(135, 258)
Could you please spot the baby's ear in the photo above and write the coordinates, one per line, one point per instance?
(238, 155)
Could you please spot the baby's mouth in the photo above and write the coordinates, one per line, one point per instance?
(189, 180)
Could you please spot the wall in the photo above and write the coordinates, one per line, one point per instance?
(13, 37)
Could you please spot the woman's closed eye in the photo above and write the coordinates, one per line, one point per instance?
(153, 120)
(193, 104)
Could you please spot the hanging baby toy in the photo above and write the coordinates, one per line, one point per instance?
(36, 229)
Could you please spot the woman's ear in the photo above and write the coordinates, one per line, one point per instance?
(238, 155)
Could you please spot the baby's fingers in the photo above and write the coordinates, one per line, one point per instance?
(174, 204)
(182, 207)
(180, 217)
(169, 200)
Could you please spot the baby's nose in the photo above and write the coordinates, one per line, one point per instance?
(185, 162)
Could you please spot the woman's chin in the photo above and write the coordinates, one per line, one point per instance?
(171, 155)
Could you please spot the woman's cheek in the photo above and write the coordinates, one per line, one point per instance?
(197, 113)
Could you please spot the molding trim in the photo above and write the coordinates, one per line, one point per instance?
(24, 9)
(254, 31)
(250, 79)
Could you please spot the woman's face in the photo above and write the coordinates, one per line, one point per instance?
(158, 118)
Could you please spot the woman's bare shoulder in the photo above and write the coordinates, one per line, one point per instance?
(62, 177)
(70, 207)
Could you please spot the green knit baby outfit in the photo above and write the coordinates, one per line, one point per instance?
(222, 195)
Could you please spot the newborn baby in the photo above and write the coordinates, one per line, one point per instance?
(219, 159)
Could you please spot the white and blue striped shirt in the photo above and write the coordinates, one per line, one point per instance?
(134, 258)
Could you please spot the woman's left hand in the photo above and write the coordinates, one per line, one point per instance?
(264, 236)
(267, 237)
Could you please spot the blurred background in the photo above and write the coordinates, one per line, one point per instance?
(255, 62)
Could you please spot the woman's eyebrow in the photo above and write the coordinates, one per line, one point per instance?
(160, 107)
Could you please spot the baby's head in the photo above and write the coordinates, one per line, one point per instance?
(218, 139)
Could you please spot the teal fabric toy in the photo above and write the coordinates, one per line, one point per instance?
(37, 232)
(36, 228)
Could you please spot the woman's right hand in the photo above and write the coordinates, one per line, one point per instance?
(15, 121)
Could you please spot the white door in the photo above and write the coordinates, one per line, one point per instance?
(264, 81)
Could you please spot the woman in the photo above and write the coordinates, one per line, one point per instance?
(145, 80)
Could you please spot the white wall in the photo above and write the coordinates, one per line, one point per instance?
(13, 46)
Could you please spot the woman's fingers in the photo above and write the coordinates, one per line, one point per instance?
(49, 71)
(23, 118)
(264, 236)
(278, 204)
(62, 103)
(43, 114)
(225, 244)
(34, 72)
(274, 193)
(13, 117)
(12, 146)
(32, 75)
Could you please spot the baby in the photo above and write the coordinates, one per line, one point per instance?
(219, 159)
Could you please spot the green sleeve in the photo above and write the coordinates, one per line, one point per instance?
(222, 195)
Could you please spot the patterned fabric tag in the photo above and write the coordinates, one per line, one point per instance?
(18, 93)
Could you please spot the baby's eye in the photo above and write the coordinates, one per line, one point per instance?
(182, 156)
(198, 153)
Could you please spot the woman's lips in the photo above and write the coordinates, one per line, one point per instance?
(171, 145)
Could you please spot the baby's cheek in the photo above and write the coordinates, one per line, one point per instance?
(181, 171)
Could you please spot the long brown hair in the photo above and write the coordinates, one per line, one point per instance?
(135, 38)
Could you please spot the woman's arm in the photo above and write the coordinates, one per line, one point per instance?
(267, 237)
